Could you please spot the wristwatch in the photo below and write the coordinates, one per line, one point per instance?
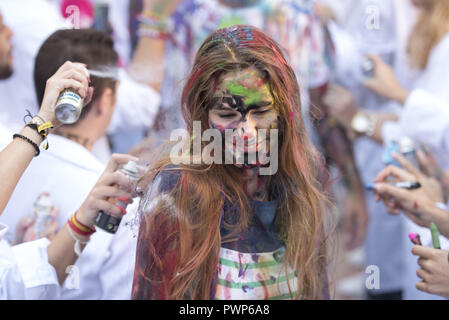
(362, 123)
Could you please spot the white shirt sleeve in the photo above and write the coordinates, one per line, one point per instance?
(25, 272)
(136, 107)
(430, 118)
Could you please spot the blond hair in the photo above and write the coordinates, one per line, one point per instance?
(431, 27)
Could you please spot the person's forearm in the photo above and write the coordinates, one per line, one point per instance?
(440, 217)
(400, 95)
(338, 149)
(61, 253)
(381, 118)
(14, 159)
(336, 144)
(147, 65)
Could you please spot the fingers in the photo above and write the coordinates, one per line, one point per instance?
(423, 161)
(423, 286)
(76, 75)
(105, 206)
(116, 178)
(105, 192)
(375, 58)
(423, 252)
(396, 172)
(80, 67)
(62, 84)
(386, 190)
(90, 94)
(391, 196)
(119, 159)
(423, 274)
(407, 165)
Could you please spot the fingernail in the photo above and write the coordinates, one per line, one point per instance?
(122, 209)
(126, 200)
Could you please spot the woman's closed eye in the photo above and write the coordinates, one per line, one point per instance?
(259, 112)
(227, 115)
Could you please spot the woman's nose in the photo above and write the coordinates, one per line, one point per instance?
(246, 129)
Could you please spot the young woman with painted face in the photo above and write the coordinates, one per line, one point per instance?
(225, 231)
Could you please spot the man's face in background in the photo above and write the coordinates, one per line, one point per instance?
(6, 59)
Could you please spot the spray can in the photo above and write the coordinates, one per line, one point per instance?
(408, 150)
(111, 223)
(42, 213)
(69, 105)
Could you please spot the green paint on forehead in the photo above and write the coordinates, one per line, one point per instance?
(251, 96)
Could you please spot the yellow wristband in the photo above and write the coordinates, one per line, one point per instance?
(79, 226)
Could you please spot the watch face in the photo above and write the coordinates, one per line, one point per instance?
(360, 123)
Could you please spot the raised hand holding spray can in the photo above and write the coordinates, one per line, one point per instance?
(111, 223)
(69, 105)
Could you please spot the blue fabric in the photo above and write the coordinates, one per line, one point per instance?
(261, 235)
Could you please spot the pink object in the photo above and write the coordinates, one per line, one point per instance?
(415, 238)
(412, 236)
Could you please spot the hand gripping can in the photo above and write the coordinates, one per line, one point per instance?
(111, 223)
(69, 105)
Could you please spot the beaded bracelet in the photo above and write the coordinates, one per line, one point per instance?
(36, 147)
(153, 20)
(151, 33)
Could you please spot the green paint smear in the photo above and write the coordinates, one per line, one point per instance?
(252, 96)
(226, 23)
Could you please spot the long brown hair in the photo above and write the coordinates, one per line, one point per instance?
(179, 241)
(431, 27)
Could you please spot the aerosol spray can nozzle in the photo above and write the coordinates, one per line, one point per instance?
(111, 223)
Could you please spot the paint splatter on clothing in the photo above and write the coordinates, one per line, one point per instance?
(251, 262)
(291, 23)
(253, 276)
(251, 266)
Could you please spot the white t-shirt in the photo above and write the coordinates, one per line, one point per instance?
(25, 272)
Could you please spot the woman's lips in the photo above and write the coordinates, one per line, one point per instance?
(250, 145)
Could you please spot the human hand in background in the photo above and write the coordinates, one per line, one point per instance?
(342, 106)
(434, 270)
(26, 228)
(355, 220)
(430, 167)
(414, 203)
(384, 81)
(325, 13)
(165, 8)
(429, 184)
